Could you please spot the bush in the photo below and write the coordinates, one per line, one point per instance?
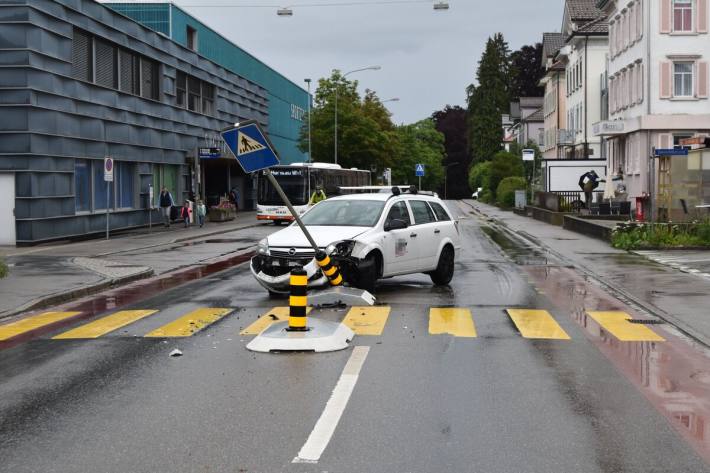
(638, 236)
(504, 165)
(3, 269)
(486, 196)
(505, 193)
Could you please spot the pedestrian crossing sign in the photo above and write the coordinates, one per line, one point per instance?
(419, 170)
(249, 145)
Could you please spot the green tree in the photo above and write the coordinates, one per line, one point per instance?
(366, 135)
(504, 165)
(419, 143)
(480, 175)
(3, 269)
(526, 70)
(489, 99)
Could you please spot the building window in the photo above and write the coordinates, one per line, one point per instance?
(106, 64)
(683, 79)
(82, 56)
(128, 72)
(191, 38)
(103, 63)
(683, 15)
(149, 79)
(194, 94)
(82, 185)
(125, 185)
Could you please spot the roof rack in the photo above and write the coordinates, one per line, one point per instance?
(394, 190)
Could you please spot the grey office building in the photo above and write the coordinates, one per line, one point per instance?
(80, 82)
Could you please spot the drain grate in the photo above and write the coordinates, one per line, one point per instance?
(646, 322)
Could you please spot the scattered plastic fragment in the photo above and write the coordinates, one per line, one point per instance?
(176, 352)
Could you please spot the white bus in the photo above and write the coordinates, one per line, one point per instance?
(299, 181)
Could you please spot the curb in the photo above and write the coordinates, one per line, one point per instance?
(617, 292)
(59, 298)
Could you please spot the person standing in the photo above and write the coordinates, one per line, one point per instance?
(166, 203)
(318, 195)
(185, 213)
(201, 212)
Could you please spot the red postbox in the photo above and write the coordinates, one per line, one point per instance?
(640, 201)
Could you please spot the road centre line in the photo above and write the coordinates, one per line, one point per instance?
(325, 426)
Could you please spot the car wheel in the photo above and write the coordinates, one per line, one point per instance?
(444, 271)
(368, 273)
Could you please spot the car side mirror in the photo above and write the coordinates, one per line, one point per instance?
(395, 224)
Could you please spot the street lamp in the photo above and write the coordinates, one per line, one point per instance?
(369, 68)
(310, 156)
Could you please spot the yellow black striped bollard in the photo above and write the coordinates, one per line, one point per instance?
(329, 269)
(298, 301)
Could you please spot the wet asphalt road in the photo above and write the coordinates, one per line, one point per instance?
(422, 403)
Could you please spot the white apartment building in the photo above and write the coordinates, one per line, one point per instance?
(584, 56)
(658, 83)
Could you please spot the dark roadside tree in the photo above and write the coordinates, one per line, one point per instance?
(526, 71)
(488, 99)
(451, 122)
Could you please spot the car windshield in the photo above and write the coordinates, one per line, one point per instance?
(345, 213)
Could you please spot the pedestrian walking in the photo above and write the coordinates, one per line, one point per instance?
(166, 203)
(234, 197)
(201, 212)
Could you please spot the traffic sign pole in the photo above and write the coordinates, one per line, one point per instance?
(107, 200)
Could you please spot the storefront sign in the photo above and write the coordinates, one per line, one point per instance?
(209, 153)
(287, 172)
(672, 152)
(608, 127)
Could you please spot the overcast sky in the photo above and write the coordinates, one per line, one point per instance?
(428, 57)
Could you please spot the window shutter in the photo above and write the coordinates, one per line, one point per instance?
(105, 64)
(639, 20)
(640, 85)
(666, 16)
(666, 79)
(703, 82)
(702, 16)
(81, 56)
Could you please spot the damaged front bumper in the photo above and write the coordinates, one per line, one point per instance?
(275, 274)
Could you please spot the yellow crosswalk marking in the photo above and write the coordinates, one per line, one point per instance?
(617, 323)
(454, 321)
(274, 315)
(537, 324)
(19, 327)
(189, 324)
(367, 320)
(106, 324)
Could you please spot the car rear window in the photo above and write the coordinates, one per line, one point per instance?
(422, 212)
(441, 214)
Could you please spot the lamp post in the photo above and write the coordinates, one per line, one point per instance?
(369, 68)
(310, 156)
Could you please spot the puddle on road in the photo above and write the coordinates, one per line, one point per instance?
(673, 375)
(520, 254)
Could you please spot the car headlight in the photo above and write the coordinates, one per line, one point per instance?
(341, 248)
(263, 247)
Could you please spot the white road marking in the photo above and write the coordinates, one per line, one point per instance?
(334, 408)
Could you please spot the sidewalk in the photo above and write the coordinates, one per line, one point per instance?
(680, 298)
(50, 274)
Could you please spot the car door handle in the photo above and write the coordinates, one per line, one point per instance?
(413, 235)
(437, 231)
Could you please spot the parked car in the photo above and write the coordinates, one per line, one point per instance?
(369, 237)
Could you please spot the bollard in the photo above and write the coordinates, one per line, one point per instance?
(329, 269)
(298, 301)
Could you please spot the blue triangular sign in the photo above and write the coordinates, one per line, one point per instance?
(250, 146)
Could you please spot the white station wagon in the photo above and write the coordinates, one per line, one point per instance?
(369, 237)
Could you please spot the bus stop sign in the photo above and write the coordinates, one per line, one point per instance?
(250, 146)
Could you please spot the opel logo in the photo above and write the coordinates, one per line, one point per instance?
(292, 251)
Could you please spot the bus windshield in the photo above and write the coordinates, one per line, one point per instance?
(294, 186)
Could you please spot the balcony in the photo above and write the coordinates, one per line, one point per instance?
(565, 137)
